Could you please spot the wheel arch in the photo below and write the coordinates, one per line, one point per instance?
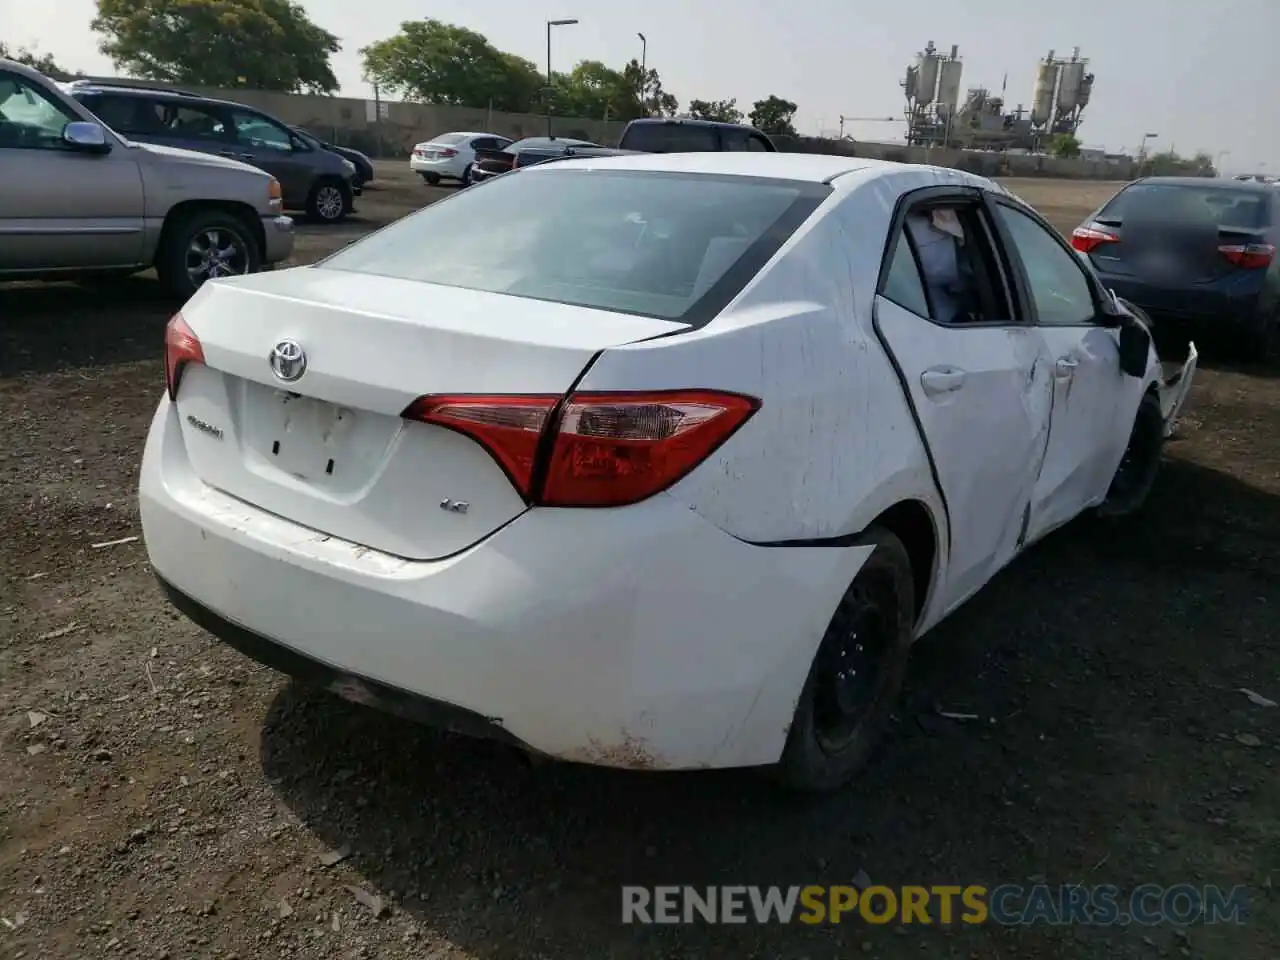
(242, 212)
(912, 522)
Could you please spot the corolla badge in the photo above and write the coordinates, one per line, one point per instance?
(288, 361)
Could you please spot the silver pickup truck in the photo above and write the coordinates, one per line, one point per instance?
(78, 199)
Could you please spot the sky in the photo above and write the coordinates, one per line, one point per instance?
(1199, 77)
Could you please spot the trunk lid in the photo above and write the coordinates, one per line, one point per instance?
(1170, 253)
(329, 450)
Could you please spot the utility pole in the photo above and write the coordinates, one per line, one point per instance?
(550, 88)
(644, 72)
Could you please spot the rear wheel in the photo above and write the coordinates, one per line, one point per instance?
(466, 176)
(856, 675)
(205, 245)
(328, 201)
(432, 179)
(1136, 474)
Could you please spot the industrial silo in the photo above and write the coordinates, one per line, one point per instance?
(949, 72)
(1069, 86)
(926, 75)
(1042, 98)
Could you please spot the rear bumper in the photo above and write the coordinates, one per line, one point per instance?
(638, 637)
(449, 167)
(278, 239)
(1239, 306)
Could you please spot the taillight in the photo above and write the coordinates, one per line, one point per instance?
(1250, 256)
(1088, 238)
(508, 427)
(181, 347)
(448, 152)
(593, 449)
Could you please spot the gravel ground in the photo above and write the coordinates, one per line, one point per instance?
(161, 796)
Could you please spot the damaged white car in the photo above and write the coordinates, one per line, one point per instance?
(669, 472)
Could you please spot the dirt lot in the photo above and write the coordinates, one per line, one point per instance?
(161, 796)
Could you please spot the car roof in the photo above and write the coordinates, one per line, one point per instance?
(692, 122)
(813, 167)
(177, 96)
(1243, 186)
(467, 133)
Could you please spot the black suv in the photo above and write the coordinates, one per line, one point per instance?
(312, 179)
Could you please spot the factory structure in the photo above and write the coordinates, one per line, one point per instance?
(937, 117)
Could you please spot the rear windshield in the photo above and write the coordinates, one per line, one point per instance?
(1223, 205)
(448, 138)
(670, 138)
(670, 245)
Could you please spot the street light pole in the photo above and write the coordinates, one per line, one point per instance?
(644, 75)
(550, 24)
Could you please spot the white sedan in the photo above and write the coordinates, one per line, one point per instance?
(669, 473)
(450, 155)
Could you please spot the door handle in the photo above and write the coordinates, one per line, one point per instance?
(1065, 368)
(941, 380)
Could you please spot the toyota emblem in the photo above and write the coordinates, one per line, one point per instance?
(288, 361)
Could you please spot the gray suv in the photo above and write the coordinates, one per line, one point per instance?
(314, 180)
(77, 199)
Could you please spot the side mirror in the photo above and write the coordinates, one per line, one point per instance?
(1135, 349)
(85, 137)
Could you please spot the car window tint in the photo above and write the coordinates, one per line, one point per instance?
(1062, 294)
(757, 145)
(30, 118)
(903, 284)
(961, 272)
(121, 114)
(1223, 205)
(672, 138)
(189, 122)
(636, 242)
(258, 131)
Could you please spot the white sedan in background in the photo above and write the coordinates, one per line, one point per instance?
(669, 473)
(450, 155)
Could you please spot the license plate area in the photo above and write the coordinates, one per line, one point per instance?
(304, 437)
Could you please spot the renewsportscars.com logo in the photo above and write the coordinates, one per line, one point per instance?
(1008, 904)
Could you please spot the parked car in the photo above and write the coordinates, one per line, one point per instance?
(643, 135)
(314, 180)
(689, 503)
(1194, 252)
(449, 156)
(81, 200)
(492, 162)
(362, 163)
(688, 135)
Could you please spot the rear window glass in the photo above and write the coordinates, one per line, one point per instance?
(448, 138)
(642, 242)
(671, 138)
(1222, 205)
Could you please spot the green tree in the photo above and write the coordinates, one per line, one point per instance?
(593, 90)
(43, 62)
(725, 111)
(436, 62)
(773, 115)
(655, 101)
(1065, 145)
(257, 44)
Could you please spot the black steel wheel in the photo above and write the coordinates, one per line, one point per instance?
(856, 675)
(1136, 474)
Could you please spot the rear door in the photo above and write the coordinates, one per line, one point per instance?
(190, 125)
(978, 384)
(1093, 402)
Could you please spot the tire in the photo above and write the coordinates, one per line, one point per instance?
(837, 725)
(202, 245)
(466, 176)
(328, 200)
(432, 179)
(1136, 474)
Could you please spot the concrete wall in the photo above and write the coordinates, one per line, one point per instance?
(351, 122)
